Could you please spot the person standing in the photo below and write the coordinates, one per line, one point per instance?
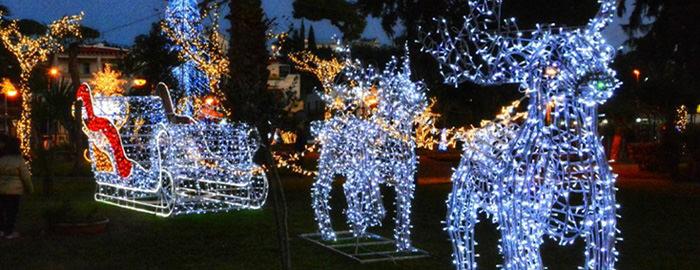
(15, 181)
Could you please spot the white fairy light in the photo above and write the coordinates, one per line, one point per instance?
(146, 158)
(543, 172)
(369, 139)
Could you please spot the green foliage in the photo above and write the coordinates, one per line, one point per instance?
(67, 212)
(31, 27)
(246, 88)
(312, 39)
(341, 13)
(54, 103)
(151, 59)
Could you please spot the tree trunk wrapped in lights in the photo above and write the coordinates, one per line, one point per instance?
(29, 52)
(545, 172)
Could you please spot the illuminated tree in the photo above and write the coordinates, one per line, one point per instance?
(29, 52)
(192, 82)
(198, 47)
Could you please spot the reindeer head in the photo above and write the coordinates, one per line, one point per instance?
(389, 95)
(403, 100)
(553, 61)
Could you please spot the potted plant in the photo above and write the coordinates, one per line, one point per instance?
(67, 220)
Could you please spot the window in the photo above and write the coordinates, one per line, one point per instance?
(86, 68)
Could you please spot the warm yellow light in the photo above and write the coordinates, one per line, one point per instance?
(139, 82)
(54, 72)
(107, 82)
(210, 101)
(697, 109)
(636, 72)
(551, 71)
(8, 88)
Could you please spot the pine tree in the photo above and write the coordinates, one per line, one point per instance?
(248, 57)
(191, 81)
(249, 99)
(312, 39)
(301, 37)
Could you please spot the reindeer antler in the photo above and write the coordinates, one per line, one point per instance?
(485, 50)
(604, 15)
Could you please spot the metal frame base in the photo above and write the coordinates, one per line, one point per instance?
(365, 249)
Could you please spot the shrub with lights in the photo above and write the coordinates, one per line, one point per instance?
(369, 140)
(147, 158)
(544, 172)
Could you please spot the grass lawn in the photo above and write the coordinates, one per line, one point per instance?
(661, 228)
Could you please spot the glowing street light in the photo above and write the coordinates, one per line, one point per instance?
(139, 82)
(636, 73)
(54, 72)
(9, 91)
(8, 88)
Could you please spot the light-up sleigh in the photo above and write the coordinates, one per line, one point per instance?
(147, 158)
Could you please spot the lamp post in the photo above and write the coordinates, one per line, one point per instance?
(8, 90)
(54, 73)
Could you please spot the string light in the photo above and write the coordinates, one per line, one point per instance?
(152, 164)
(369, 140)
(543, 172)
(324, 70)
(202, 50)
(682, 118)
(108, 82)
(427, 135)
(30, 51)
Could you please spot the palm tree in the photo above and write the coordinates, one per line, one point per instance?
(53, 108)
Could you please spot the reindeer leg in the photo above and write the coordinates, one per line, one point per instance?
(320, 194)
(601, 226)
(405, 188)
(461, 219)
(375, 207)
(521, 239)
(355, 195)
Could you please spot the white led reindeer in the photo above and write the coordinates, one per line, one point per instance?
(370, 141)
(545, 172)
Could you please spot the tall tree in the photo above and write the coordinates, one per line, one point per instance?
(250, 100)
(311, 39)
(301, 37)
(151, 58)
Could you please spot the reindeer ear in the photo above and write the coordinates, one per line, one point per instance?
(604, 15)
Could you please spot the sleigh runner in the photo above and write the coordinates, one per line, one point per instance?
(146, 158)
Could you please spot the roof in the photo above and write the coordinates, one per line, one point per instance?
(98, 49)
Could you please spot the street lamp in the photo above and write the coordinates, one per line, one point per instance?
(139, 82)
(54, 73)
(636, 73)
(9, 91)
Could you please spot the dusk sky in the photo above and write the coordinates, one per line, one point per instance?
(121, 21)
